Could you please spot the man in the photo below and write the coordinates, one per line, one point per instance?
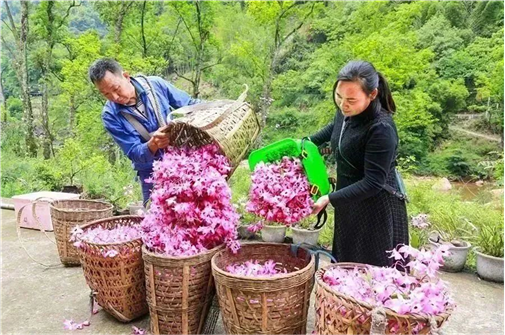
(136, 113)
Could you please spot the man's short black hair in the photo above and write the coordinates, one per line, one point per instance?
(98, 69)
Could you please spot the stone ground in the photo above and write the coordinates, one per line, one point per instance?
(36, 300)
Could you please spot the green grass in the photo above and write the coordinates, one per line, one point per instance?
(454, 217)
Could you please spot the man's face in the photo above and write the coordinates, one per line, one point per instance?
(117, 88)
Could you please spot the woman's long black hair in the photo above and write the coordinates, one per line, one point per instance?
(369, 79)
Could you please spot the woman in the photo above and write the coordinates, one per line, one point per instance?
(370, 213)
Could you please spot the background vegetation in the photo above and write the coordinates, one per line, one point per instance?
(444, 62)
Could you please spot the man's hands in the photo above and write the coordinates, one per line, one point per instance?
(320, 204)
(159, 140)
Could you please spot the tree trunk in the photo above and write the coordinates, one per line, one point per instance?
(2, 96)
(119, 21)
(119, 28)
(144, 44)
(20, 61)
(47, 142)
(71, 114)
(31, 144)
(266, 94)
(22, 72)
(48, 138)
(266, 99)
(198, 73)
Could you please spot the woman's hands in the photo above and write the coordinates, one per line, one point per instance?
(320, 204)
(159, 140)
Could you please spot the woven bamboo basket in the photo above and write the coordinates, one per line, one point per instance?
(269, 305)
(338, 313)
(233, 125)
(65, 215)
(118, 283)
(179, 291)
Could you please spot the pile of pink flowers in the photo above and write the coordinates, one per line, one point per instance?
(254, 268)
(101, 235)
(418, 292)
(280, 192)
(191, 209)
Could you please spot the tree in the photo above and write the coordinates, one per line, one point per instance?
(197, 17)
(114, 13)
(19, 56)
(283, 19)
(77, 91)
(2, 96)
(49, 25)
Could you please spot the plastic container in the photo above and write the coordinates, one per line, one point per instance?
(42, 211)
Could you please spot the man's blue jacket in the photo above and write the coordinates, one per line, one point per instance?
(133, 145)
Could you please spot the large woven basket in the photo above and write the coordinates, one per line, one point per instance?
(233, 125)
(179, 291)
(275, 305)
(118, 282)
(65, 215)
(338, 313)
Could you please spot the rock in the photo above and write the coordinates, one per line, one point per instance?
(443, 185)
(479, 183)
(497, 192)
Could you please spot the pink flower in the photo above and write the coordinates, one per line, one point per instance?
(95, 307)
(75, 233)
(138, 331)
(280, 192)
(254, 268)
(234, 246)
(419, 292)
(191, 209)
(394, 253)
(117, 234)
(255, 227)
(72, 325)
(420, 221)
(110, 253)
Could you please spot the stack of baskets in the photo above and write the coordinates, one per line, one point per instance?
(118, 282)
(180, 289)
(267, 305)
(338, 313)
(65, 215)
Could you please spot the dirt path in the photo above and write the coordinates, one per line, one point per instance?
(472, 133)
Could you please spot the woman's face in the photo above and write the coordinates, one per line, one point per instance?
(351, 98)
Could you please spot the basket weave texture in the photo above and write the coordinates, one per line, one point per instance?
(338, 313)
(233, 125)
(265, 305)
(179, 291)
(65, 215)
(118, 281)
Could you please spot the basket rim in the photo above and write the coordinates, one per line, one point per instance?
(417, 316)
(108, 207)
(260, 278)
(99, 221)
(178, 258)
